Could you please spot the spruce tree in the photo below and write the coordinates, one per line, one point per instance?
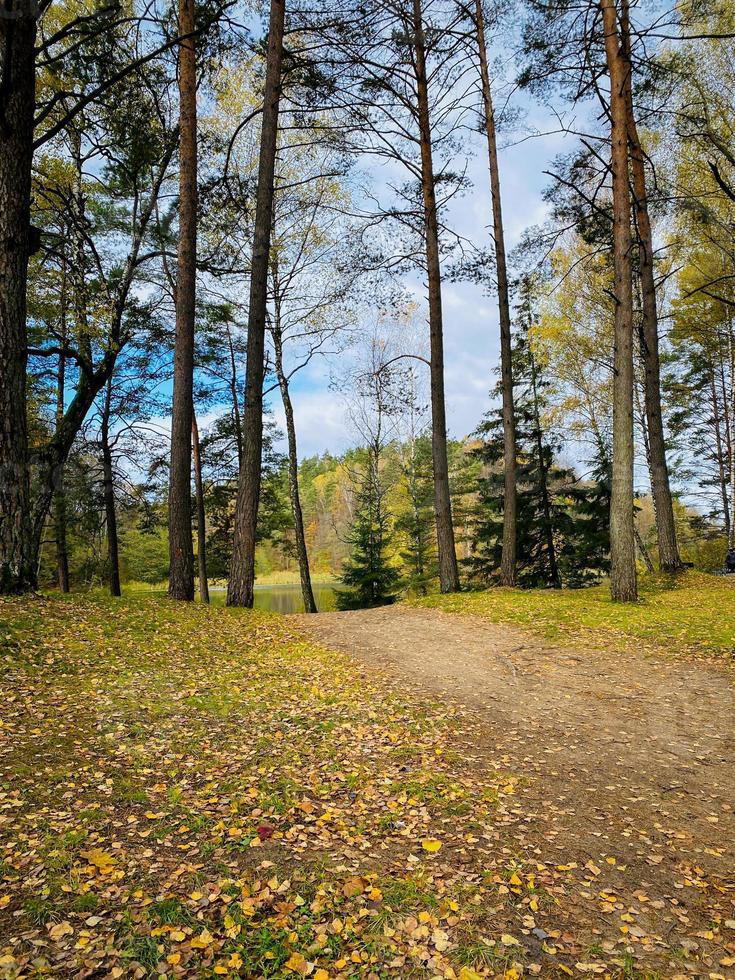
(368, 576)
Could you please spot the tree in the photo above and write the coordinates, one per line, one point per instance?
(242, 571)
(622, 528)
(370, 579)
(55, 106)
(508, 564)
(668, 550)
(181, 571)
(17, 38)
(372, 390)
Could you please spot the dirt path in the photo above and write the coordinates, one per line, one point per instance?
(629, 756)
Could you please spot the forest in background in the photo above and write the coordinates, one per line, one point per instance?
(200, 220)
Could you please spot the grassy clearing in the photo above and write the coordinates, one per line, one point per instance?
(198, 792)
(690, 614)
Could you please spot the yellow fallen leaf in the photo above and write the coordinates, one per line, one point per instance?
(297, 963)
(515, 880)
(431, 845)
(4, 900)
(203, 940)
(507, 940)
(177, 936)
(59, 930)
(466, 974)
(102, 860)
(321, 975)
(173, 958)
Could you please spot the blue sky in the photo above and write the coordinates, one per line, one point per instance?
(470, 315)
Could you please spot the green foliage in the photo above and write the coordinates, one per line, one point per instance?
(370, 579)
(562, 529)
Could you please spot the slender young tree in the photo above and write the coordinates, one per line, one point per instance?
(60, 522)
(201, 513)
(242, 569)
(508, 566)
(108, 489)
(302, 555)
(181, 572)
(622, 518)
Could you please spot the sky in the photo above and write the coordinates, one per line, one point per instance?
(471, 329)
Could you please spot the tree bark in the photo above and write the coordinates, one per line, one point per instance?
(623, 582)
(293, 479)
(448, 571)
(17, 102)
(237, 421)
(668, 549)
(242, 568)
(554, 576)
(720, 450)
(510, 503)
(62, 554)
(731, 359)
(201, 515)
(643, 551)
(108, 487)
(181, 570)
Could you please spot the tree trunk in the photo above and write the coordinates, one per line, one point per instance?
(62, 555)
(622, 526)
(720, 451)
(108, 486)
(643, 551)
(554, 576)
(731, 359)
(448, 571)
(293, 482)
(242, 568)
(668, 549)
(510, 503)
(201, 515)
(181, 570)
(17, 102)
(235, 400)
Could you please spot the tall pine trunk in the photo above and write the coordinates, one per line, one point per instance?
(448, 571)
(668, 549)
(108, 487)
(201, 515)
(181, 570)
(17, 103)
(510, 502)
(242, 568)
(622, 526)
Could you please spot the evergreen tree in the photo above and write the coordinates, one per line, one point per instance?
(417, 523)
(563, 522)
(584, 554)
(369, 577)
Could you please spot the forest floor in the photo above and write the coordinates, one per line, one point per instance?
(400, 792)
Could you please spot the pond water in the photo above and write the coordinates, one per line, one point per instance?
(283, 598)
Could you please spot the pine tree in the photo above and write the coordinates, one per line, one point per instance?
(369, 577)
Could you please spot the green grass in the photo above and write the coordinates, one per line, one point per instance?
(692, 613)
